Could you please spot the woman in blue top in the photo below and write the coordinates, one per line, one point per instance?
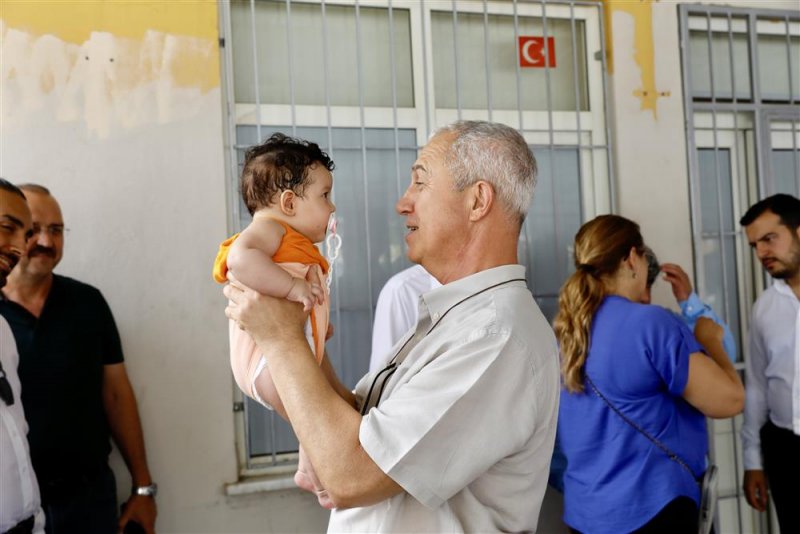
(648, 364)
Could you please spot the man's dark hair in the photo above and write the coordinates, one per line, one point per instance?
(653, 267)
(278, 164)
(784, 206)
(5, 185)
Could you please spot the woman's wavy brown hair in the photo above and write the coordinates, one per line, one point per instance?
(600, 245)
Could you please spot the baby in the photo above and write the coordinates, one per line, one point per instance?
(286, 185)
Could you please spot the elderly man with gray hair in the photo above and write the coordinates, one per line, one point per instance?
(455, 434)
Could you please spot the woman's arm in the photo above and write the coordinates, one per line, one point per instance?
(714, 386)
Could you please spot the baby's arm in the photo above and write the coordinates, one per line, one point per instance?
(250, 261)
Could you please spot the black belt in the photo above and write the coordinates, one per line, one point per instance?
(23, 527)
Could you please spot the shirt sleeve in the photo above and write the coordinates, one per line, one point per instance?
(755, 404)
(465, 397)
(670, 343)
(693, 308)
(111, 346)
(395, 314)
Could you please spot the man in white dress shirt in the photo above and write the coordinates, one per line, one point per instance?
(456, 433)
(771, 431)
(20, 509)
(396, 311)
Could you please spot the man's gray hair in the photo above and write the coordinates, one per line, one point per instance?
(495, 153)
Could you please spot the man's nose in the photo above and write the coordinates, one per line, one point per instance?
(403, 206)
(762, 250)
(43, 237)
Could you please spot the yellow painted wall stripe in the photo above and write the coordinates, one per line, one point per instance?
(74, 20)
(643, 47)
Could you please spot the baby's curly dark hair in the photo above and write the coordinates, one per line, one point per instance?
(279, 163)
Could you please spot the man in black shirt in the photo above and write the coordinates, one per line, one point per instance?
(76, 391)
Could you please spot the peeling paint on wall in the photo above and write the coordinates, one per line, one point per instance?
(643, 49)
(80, 65)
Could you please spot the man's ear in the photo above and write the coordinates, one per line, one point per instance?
(286, 202)
(482, 198)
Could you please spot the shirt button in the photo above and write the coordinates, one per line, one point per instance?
(435, 315)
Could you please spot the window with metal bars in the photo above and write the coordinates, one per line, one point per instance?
(369, 81)
(741, 78)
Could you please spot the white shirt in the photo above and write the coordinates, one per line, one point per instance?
(773, 370)
(19, 492)
(396, 311)
(466, 422)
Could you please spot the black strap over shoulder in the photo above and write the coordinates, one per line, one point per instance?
(672, 455)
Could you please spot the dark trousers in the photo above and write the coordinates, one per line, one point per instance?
(23, 527)
(781, 451)
(87, 504)
(677, 517)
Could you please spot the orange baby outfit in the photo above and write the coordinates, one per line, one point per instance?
(297, 255)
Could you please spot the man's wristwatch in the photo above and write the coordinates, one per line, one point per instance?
(146, 491)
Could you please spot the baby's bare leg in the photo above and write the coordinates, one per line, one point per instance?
(264, 388)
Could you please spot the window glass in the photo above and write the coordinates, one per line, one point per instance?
(775, 53)
(721, 59)
(470, 88)
(720, 274)
(309, 53)
(550, 227)
(785, 165)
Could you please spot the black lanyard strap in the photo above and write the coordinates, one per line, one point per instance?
(394, 363)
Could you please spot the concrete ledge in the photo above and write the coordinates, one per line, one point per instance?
(266, 483)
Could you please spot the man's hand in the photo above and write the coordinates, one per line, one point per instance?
(142, 510)
(755, 489)
(306, 479)
(261, 315)
(678, 279)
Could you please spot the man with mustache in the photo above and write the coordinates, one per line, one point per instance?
(76, 388)
(771, 431)
(20, 510)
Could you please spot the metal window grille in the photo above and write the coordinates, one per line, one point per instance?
(320, 78)
(741, 89)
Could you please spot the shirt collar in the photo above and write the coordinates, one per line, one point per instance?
(782, 287)
(441, 299)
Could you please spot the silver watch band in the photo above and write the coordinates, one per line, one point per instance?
(146, 491)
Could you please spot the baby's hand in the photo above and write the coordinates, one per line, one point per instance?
(305, 293)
